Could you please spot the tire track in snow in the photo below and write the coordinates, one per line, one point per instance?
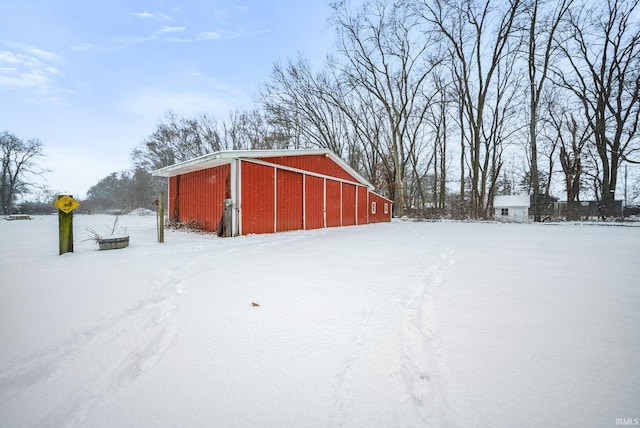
(71, 375)
(421, 369)
(343, 397)
(433, 397)
(68, 377)
(395, 374)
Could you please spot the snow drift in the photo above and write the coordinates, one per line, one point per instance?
(403, 324)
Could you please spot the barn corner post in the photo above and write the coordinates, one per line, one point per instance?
(65, 204)
(160, 218)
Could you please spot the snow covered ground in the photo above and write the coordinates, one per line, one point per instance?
(408, 324)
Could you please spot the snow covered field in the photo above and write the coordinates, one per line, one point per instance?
(388, 325)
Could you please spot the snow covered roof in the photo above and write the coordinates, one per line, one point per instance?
(511, 201)
(224, 157)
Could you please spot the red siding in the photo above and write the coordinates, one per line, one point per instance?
(348, 204)
(257, 198)
(289, 201)
(379, 215)
(200, 196)
(333, 203)
(320, 164)
(273, 199)
(314, 202)
(362, 205)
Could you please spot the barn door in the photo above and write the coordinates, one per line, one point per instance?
(289, 200)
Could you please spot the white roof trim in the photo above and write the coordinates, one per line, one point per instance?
(383, 197)
(224, 157)
(203, 162)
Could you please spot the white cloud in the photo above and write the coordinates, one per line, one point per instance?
(150, 15)
(45, 55)
(143, 15)
(168, 34)
(210, 35)
(224, 34)
(31, 68)
(172, 29)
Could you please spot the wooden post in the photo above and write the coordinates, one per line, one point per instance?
(161, 219)
(65, 230)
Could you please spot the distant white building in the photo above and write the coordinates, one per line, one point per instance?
(514, 208)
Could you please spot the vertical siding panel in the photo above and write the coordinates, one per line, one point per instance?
(289, 201)
(348, 204)
(362, 205)
(314, 202)
(333, 203)
(187, 196)
(205, 187)
(324, 202)
(257, 198)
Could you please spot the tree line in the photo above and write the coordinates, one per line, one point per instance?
(430, 99)
(444, 104)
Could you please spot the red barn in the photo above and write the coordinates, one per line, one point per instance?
(272, 191)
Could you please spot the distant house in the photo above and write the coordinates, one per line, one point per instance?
(513, 208)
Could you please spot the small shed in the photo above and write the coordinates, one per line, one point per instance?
(272, 191)
(513, 208)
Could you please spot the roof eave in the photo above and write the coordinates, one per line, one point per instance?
(225, 156)
(195, 164)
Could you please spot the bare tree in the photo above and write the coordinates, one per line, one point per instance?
(19, 159)
(176, 140)
(541, 50)
(564, 129)
(300, 100)
(251, 130)
(480, 36)
(503, 127)
(602, 52)
(385, 54)
(366, 134)
(460, 75)
(438, 119)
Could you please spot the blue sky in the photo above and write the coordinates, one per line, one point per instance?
(92, 79)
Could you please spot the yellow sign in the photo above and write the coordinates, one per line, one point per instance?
(66, 204)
